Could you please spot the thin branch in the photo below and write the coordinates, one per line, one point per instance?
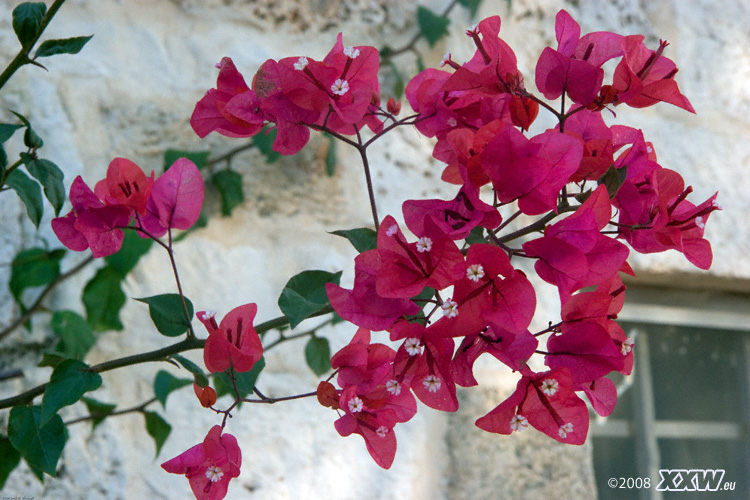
(37, 305)
(139, 409)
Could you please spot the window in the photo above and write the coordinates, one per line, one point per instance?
(688, 404)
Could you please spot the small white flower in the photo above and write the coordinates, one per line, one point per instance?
(351, 52)
(446, 58)
(340, 87)
(424, 244)
(472, 30)
(393, 387)
(356, 405)
(214, 473)
(716, 205)
(550, 386)
(301, 63)
(412, 346)
(565, 430)
(627, 346)
(475, 272)
(700, 222)
(649, 149)
(518, 423)
(391, 230)
(450, 308)
(207, 315)
(452, 122)
(431, 383)
(382, 431)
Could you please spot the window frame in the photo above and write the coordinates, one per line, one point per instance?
(710, 309)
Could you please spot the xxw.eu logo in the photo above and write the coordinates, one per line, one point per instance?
(692, 480)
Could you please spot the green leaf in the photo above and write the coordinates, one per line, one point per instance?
(318, 355)
(198, 376)
(11, 459)
(168, 314)
(229, 184)
(7, 130)
(133, 248)
(165, 383)
(27, 19)
(157, 428)
(399, 85)
(305, 294)
(51, 359)
(471, 5)
(613, 179)
(62, 46)
(200, 158)
(331, 156)
(49, 176)
(33, 267)
(245, 381)
(103, 298)
(76, 337)
(98, 408)
(29, 192)
(432, 26)
(69, 381)
(40, 445)
(264, 142)
(476, 236)
(362, 238)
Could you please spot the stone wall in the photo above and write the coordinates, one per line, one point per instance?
(130, 93)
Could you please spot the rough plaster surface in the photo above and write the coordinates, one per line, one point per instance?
(130, 93)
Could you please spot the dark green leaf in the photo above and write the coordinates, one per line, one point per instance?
(70, 380)
(399, 84)
(103, 298)
(200, 158)
(613, 179)
(33, 267)
(198, 376)
(305, 294)
(426, 294)
(471, 5)
(51, 359)
(62, 46)
(133, 248)
(157, 428)
(476, 236)
(362, 238)
(229, 184)
(165, 383)
(76, 337)
(40, 445)
(3, 164)
(10, 460)
(7, 130)
(331, 156)
(432, 26)
(318, 355)
(49, 176)
(27, 19)
(30, 138)
(101, 410)
(29, 192)
(168, 313)
(264, 142)
(245, 381)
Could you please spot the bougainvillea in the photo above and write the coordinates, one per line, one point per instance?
(456, 287)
